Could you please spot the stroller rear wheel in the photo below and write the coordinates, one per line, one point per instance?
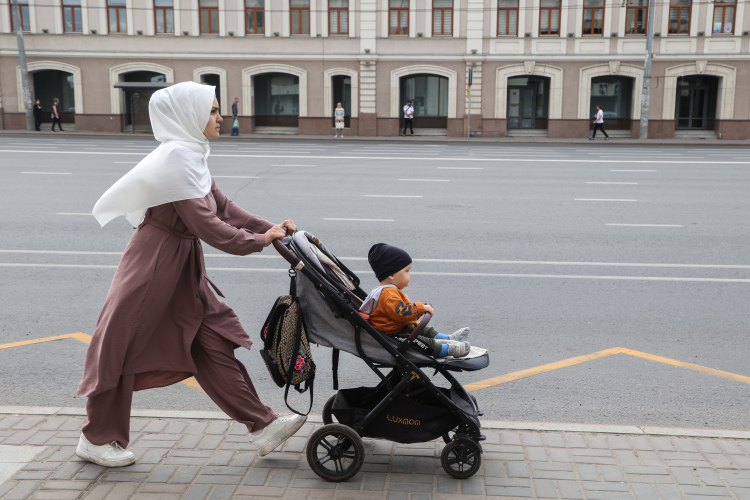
(327, 410)
(335, 452)
(461, 458)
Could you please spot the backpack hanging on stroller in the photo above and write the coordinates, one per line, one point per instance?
(406, 406)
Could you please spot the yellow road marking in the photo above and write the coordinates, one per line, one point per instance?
(510, 377)
(86, 339)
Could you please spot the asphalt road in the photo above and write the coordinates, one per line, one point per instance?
(548, 252)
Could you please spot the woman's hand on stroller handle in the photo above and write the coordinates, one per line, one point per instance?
(279, 231)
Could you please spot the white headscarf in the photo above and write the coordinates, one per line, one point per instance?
(177, 169)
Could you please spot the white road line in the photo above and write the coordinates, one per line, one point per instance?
(128, 162)
(632, 170)
(415, 158)
(73, 213)
(47, 173)
(646, 225)
(421, 273)
(360, 220)
(437, 261)
(425, 180)
(600, 199)
(285, 165)
(628, 183)
(392, 196)
(235, 177)
(460, 168)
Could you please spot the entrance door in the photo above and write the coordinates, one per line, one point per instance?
(342, 93)
(692, 108)
(522, 107)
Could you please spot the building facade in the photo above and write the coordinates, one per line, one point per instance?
(539, 67)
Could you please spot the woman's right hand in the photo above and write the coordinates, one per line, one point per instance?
(276, 232)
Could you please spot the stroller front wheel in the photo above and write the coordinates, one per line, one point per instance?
(327, 410)
(335, 452)
(461, 458)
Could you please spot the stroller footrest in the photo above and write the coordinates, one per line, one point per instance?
(482, 437)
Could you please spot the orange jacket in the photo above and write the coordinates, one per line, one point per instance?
(394, 311)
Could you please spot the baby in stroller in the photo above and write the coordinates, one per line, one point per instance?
(388, 309)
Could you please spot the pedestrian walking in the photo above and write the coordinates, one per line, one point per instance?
(599, 124)
(161, 323)
(235, 121)
(339, 117)
(56, 114)
(409, 118)
(37, 116)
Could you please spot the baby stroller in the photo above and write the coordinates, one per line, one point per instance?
(405, 407)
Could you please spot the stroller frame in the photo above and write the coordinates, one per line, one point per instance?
(335, 442)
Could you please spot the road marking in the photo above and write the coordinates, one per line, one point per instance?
(86, 339)
(530, 372)
(646, 225)
(361, 220)
(415, 158)
(601, 199)
(235, 177)
(460, 168)
(72, 213)
(285, 165)
(128, 162)
(632, 170)
(425, 180)
(628, 183)
(392, 196)
(47, 173)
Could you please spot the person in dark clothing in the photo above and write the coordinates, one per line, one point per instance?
(235, 122)
(56, 115)
(37, 116)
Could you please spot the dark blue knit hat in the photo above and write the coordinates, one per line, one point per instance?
(386, 260)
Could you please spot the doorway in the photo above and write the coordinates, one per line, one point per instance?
(528, 102)
(695, 108)
(342, 93)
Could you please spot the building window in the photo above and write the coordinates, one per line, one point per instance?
(507, 18)
(723, 16)
(442, 17)
(23, 15)
(338, 17)
(72, 16)
(549, 18)
(255, 21)
(209, 15)
(300, 13)
(593, 17)
(398, 13)
(636, 17)
(116, 16)
(164, 16)
(679, 17)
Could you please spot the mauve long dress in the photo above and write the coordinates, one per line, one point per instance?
(160, 294)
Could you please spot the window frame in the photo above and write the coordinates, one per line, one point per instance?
(299, 11)
(400, 11)
(593, 17)
(72, 8)
(724, 7)
(21, 17)
(339, 11)
(635, 9)
(211, 12)
(442, 10)
(123, 13)
(549, 18)
(160, 10)
(679, 9)
(255, 11)
(507, 11)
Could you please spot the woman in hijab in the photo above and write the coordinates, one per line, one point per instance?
(161, 323)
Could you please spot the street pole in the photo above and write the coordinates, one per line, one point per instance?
(468, 91)
(24, 68)
(646, 94)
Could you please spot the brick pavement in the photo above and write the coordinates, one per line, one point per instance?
(203, 455)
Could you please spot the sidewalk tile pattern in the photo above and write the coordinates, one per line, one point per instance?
(213, 460)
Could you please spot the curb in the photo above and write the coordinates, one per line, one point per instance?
(487, 424)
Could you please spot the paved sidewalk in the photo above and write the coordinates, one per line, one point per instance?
(204, 455)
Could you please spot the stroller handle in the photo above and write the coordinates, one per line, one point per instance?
(288, 256)
(420, 327)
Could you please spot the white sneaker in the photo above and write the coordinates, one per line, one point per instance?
(282, 428)
(458, 349)
(460, 335)
(107, 455)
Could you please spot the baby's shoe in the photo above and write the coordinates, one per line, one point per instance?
(458, 349)
(460, 334)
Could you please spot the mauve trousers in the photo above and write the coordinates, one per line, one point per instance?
(219, 373)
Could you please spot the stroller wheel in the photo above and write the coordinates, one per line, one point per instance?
(335, 452)
(461, 458)
(327, 414)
